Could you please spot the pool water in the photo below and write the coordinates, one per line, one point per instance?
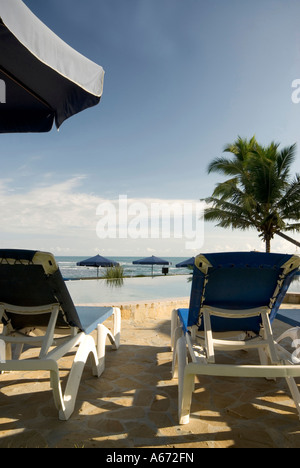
(131, 290)
(136, 289)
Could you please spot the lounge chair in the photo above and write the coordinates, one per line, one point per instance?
(36, 310)
(234, 299)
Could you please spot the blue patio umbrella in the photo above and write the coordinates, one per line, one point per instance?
(151, 261)
(186, 263)
(97, 261)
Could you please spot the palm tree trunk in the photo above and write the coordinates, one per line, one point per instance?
(284, 236)
(268, 245)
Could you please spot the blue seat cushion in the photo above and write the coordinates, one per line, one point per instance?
(220, 324)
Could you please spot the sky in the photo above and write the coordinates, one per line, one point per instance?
(182, 80)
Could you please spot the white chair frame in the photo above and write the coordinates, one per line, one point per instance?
(53, 348)
(194, 354)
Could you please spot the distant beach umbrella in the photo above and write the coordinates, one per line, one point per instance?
(42, 79)
(97, 261)
(186, 263)
(151, 261)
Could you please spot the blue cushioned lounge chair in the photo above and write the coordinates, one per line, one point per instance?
(36, 310)
(234, 299)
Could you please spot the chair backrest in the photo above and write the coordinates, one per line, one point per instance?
(31, 278)
(240, 280)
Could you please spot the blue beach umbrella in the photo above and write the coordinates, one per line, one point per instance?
(42, 79)
(186, 263)
(151, 261)
(97, 261)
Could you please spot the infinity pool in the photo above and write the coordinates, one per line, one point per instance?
(136, 289)
(132, 289)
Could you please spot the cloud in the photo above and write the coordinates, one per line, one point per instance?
(47, 208)
(64, 219)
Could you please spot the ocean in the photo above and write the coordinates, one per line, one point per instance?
(70, 270)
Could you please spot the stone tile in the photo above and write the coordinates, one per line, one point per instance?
(134, 404)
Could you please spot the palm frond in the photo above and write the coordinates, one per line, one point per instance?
(285, 159)
(259, 192)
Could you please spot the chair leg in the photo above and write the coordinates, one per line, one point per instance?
(268, 335)
(116, 327)
(209, 342)
(174, 326)
(176, 335)
(185, 382)
(17, 350)
(2, 353)
(294, 392)
(102, 333)
(188, 388)
(294, 335)
(57, 391)
(86, 348)
(264, 358)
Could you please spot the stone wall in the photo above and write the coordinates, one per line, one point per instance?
(292, 298)
(153, 310)
(161, 309)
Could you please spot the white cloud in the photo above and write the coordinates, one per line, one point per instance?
(42, 209)
(63, 218)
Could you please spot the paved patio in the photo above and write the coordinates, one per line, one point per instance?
(134, 404)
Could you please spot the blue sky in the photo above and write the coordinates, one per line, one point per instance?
(182, 79)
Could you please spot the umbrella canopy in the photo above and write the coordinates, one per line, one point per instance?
(97, 261)
(151, 261)
(42, 79)
(186, 263)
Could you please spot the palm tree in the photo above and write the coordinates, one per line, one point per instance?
(259, 193)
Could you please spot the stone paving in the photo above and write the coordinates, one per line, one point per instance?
(134, 404)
